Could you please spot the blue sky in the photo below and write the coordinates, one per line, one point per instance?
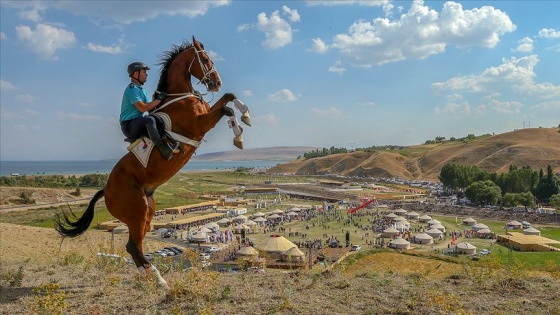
(318, 73)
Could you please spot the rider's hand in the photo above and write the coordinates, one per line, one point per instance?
(161, 96)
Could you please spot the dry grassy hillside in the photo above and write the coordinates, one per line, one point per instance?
(536, 147)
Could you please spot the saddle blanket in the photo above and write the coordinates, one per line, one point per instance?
(142, 148)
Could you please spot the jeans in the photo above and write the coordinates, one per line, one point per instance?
(136, 128)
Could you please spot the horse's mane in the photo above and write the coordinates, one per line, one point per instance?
(165, 62)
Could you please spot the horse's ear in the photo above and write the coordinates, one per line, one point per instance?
(194, 41)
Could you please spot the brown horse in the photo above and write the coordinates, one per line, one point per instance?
(129, 192)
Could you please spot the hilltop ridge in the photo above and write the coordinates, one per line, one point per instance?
(534, 147)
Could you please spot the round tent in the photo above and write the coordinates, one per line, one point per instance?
(277, 211)
(391, 216)
(424, 218)
(469, 221)
(248, 251)
(223, 222)
(438, 226)
(293, 254)
(435, 233)
(479, 226)
(292, 214)
(259, 220)
(483, 232)
(423, 238)
(531, 231)
(400, 211)
(212, 225)
(294, 209)
(513, 225)
(466, 248)
(433, 221)
(390, 232)
(275, 245)
(412, 215)
(259, 214)
(399, 243)
(204, 230)
(273, 217)
(240, 218)
(200, 237)
(398, 218)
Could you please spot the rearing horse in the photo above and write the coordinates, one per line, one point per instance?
(129, 191)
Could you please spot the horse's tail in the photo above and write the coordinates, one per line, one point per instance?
(68, 225)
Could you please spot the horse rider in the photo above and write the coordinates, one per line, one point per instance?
(134, 124)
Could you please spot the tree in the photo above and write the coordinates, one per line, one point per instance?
(484, 192)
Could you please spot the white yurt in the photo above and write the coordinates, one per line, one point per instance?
(390, 232)
(294, 209)
(433, 221)
(435, 233)
(423, 238)
(223, 222)
(391, 216)
(531, 231)
(424, 218)
(200, 237)
(483, 232)
(438, 226)
(277, 211)
(400, 211)
(273, 217)
(247, 251)
(258, 214)
(479, 226)
(469, 221)
(259, 220)
(398, 218)
(275, 245)
(402, 226)
(399, 243)
(466, 248)
(513, 225)
(212, 225)
(293, 254)
(412, 215)
(240, 218)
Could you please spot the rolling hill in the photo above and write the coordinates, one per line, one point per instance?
(534, 147)
(286, 153)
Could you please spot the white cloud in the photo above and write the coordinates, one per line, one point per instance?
(336, 68)
(247, 93)
(6, 85)
(243, 28)
(368, 104)
(319, 46)
(115, 49)
(30, 112)
(31, 15)
(277, 32)
(292, 14)
(45, 40)
(525, 45)
(331, 111)
(3, 36)
(505, 107)
(283, 95)
(549, 33)
(516, 74)
(420, 33)
(122, 12)
(368, 3)
(26, 98)
(555, 104)
(455, 108)
(215, 56)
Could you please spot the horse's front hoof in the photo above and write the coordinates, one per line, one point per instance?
(238, 142)
(246, 119)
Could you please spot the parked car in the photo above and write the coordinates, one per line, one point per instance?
(171, 249)
(204, 256)
(160, 253)
(168, 252)
(484, 252)
(356, 248)
(177, 249)
(149, 257)
(211, 249)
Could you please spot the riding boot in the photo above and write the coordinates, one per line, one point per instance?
(165, 150)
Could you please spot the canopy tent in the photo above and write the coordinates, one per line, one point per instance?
(259, 214)
(273, 217)
(291, 214)
(277, 211)
(259, 220)
(250, 222)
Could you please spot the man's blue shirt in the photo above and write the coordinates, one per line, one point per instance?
(132, 94)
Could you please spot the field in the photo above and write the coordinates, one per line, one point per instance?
(41, 275)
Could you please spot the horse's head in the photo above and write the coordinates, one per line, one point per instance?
(182, 62)
(204, 69)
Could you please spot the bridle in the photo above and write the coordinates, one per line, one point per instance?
(205, 72)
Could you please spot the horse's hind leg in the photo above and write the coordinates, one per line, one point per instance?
(237, 131)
